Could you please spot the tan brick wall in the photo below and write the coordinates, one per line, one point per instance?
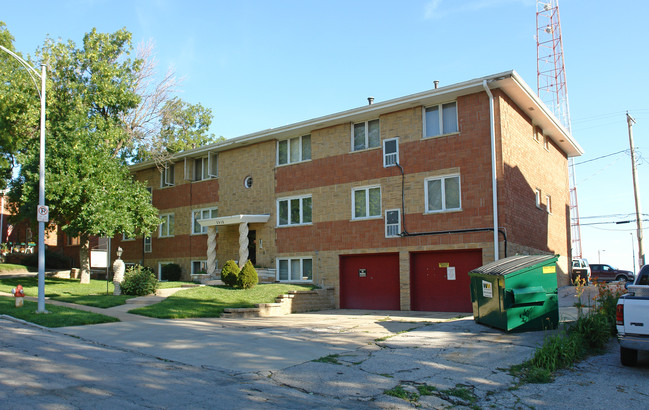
(334, 171)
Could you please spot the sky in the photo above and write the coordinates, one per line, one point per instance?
(260, 64)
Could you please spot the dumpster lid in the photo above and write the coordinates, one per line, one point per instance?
(513, 264)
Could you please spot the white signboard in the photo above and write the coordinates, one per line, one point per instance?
(487, 289)
(43, 213)
(450, 273)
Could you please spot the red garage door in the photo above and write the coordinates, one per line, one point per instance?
(369, 281)
(439, 281)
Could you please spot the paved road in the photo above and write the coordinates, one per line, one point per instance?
(339, 359)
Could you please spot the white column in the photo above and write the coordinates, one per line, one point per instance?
(243, 243)
(211, 250)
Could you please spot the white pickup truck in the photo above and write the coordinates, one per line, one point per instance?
(632, 319)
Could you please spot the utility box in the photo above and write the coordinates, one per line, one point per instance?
(517, 293)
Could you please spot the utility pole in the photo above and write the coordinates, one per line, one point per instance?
(638, 215)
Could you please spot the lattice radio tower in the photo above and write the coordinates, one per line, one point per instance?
(553, 91)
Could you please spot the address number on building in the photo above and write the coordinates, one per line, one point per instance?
(43, 213)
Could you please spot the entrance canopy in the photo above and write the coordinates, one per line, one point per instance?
(234, 220)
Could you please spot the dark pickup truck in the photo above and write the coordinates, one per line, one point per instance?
(607, 273)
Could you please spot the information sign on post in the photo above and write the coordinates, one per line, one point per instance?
(43, 214)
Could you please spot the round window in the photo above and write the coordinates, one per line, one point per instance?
(247, 182)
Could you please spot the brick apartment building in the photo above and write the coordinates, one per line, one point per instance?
(392, 203)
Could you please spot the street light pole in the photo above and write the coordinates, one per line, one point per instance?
(41, 200)
(41, 182)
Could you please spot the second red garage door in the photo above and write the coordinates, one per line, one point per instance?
(369, 281)
(439, 281)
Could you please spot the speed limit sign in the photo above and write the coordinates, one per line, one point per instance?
(43, 213)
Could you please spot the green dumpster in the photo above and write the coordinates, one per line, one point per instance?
(517, 293)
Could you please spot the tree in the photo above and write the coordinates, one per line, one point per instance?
(89, 190)
(162, 124)
(19, 107)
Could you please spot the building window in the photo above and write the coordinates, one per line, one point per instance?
(440, 120)
(392, 223)
(197, 215)
(147, 244)
(296, 210)
(125, 238)
(390, 152)
(366, 135)
(537, 198)
(443, 194)
(536, 134)
(199, 267)
(167, 176)
(548, 204)
(73, 241)
(294, 150)
(294, 269)
(546, 143)
(366, 202)
(166, 226)
(247, 182)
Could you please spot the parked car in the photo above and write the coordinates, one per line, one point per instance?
(580, 269)
(606, 273)
(631, 317)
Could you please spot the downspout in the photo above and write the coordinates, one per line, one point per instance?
(494, 180)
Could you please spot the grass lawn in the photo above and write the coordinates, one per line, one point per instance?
(210, 301)
(11, 268)
(59, 316)
(69, 290)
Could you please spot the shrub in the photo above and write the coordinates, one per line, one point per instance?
(53, 260)
(248, 276)
(229, 273)
(171, 272)
(594, 330)
(139, 281)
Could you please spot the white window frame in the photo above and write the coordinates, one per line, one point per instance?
(301, 202)
(390, 159)
(537, 198)
(289, 159)
(367, 134)
(213, 165)
(170, 228)
(290, 265)
(195, 224)
(548, 204)
(546, 143)
(127, 238)
(201, 261)
(367, 202)
(167, 173)
(149, 248)
(535, 134)
(443, 178)
(388, 227)
(440, 110)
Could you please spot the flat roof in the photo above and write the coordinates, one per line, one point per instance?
(509, 81)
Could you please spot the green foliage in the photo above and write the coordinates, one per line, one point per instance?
(90, 191)
(171, 272)
(139, 281)
(401, 393)
(53, 260)
(559, 352)
(230, 273)
(588, 334)
(248, 276)
(331, 359)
